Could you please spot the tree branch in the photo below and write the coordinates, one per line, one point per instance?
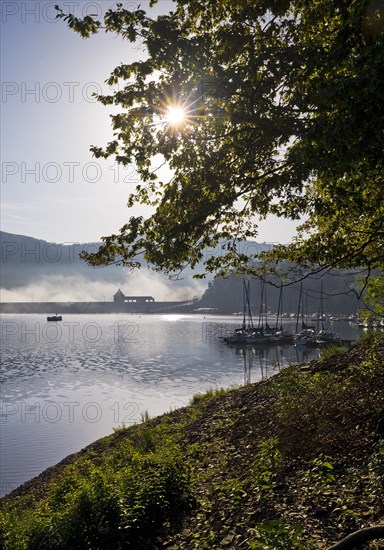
(359, 537)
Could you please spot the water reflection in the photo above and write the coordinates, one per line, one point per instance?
(263, 362)
(63, 388)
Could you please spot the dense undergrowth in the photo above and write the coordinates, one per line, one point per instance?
(294, 462)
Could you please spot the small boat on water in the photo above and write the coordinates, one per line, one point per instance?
(54, 318)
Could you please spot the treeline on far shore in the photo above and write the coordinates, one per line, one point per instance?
(340, 294)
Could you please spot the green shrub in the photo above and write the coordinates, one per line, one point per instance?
(332, 351)
(119, 503)
(275, 535)
(266, 464)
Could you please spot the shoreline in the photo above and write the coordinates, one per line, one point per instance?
(236, 458)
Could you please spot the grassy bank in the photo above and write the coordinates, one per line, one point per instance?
(296, 462)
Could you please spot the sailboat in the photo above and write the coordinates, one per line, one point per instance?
(263, 314)
(281, 336)
(248, 333)
(310, 337)
(324, 336)
(307, 335)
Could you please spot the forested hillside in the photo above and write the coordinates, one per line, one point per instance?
(339, 297)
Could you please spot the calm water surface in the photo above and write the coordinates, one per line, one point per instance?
(66, 384)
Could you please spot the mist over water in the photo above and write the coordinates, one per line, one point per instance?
(67, 384)
(34, 270)
(80, 288)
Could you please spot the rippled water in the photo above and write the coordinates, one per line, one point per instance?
(66, 384)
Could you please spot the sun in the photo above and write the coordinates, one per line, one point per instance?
(175, 115)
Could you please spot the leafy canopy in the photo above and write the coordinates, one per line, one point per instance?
(283, 107)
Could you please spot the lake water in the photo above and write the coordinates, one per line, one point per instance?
(67, 384)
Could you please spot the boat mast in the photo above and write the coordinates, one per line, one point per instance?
(299, 307)
(261, 303)
(321, 306)
(304, 316)
(244, 304)
(280, 309)
(248, 294)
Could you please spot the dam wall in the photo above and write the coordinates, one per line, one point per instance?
(62, 308)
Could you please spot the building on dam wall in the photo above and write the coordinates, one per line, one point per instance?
(121, 304)
(120, 298)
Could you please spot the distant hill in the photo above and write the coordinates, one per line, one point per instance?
(25, 259)
(37, 270)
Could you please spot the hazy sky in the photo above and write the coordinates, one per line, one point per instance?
(51, 186)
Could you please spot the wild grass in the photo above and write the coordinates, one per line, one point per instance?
(211, 393)
(104, 501)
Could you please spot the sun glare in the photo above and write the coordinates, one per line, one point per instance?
(175, 115)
